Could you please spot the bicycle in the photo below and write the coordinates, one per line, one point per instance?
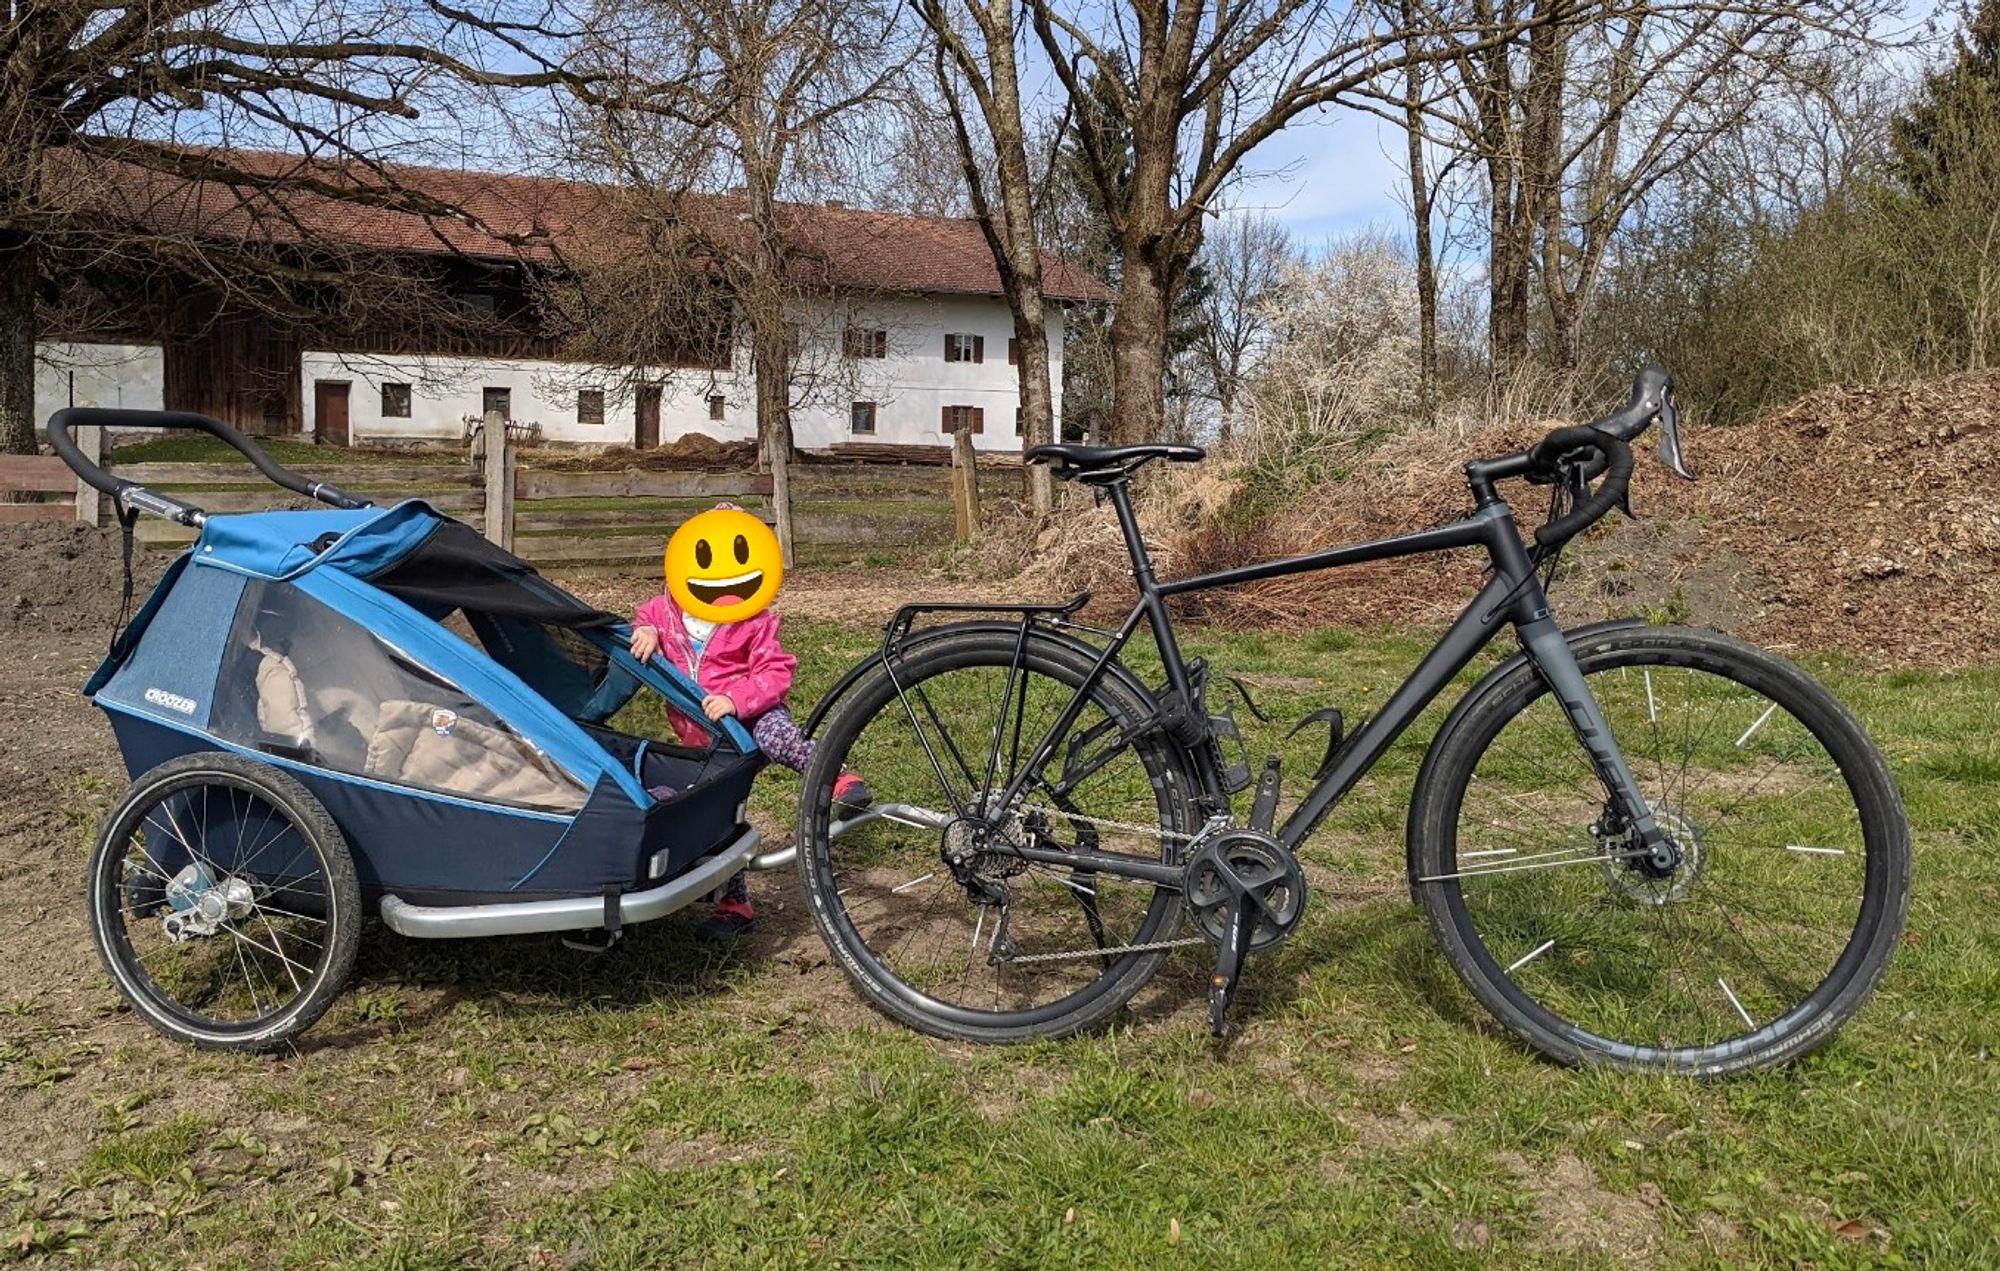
(1653, 848)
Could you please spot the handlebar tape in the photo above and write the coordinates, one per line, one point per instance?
(1599, 452)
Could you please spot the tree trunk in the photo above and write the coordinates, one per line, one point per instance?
(770, 345)
(1139, 352)
(1420, 223)
(1038, 414)
(18, 273)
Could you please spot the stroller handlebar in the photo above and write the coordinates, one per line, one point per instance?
(63, 422)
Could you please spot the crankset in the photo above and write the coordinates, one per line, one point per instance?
(1245, 892)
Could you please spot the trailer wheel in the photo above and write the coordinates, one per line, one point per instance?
(223, 902)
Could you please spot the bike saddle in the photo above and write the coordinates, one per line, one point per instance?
(1086, 461)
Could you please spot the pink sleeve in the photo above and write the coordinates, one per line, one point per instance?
(768, 679)
(652, 614)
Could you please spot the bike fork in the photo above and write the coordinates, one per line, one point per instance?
(1553, 657)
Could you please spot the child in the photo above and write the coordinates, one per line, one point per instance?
(744, 671)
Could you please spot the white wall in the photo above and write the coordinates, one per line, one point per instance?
(911, 386)
(125, 376)
(445, 390)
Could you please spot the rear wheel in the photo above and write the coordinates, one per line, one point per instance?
(936, 919)
(223, 902)
(1792, 873)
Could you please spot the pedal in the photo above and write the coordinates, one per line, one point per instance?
(1242, 920)
(1264, 808)
(596, 940)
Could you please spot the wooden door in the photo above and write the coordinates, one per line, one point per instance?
(330, 411)
(647, 433)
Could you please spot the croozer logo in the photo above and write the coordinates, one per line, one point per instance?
(172, 701)
(443, 721)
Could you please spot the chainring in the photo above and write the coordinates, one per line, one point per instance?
(1244, 866)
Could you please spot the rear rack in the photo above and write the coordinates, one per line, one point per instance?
(132, 494)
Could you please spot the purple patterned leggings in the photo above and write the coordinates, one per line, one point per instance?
(778, 736)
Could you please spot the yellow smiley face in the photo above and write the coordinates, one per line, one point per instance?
(724, 565)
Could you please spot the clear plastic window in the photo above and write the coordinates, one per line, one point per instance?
(301, 681)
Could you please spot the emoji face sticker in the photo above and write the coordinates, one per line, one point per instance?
(724, 565)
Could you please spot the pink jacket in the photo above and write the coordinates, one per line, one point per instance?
(742, 660)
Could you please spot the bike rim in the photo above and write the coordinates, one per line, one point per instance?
(914, 918)
(218, 910)
(1741, 943)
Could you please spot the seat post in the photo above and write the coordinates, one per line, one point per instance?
(1120, 493)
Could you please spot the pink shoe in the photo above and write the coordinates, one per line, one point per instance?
(851, 792)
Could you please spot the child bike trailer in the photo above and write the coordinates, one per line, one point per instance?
(359, 711)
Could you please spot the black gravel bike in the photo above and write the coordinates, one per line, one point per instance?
(1648, 847)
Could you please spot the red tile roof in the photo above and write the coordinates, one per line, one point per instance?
(275, 197)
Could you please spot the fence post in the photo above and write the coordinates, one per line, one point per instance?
(964, 486)
(499, 467)
(89, 503)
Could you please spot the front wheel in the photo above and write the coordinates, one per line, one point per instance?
(1792, 852)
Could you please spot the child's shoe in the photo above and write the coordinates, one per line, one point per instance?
(729, 920)
(851, 793)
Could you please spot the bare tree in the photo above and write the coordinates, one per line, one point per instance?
(975, 50)
(1582, 110)
(756, 98)
(1200, 84)
(1244, 263)
(84, 85)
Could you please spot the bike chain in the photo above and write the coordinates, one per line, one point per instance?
(1150, 946)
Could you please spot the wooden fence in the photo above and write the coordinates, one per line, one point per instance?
(45, 475)
(582, 518)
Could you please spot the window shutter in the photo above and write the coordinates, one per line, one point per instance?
(950, 347)
(944, 424)
(979, 419)
(979, 348)
(1013, 352)
(881, 344)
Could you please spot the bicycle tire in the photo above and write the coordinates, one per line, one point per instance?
(876, 695)
(111, 894)
(1438, 874)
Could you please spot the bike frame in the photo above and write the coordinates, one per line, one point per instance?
(1513, 596)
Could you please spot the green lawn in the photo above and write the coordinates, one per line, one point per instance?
(512, 1103)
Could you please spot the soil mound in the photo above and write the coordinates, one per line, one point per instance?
(66, 579)
(1860, 520)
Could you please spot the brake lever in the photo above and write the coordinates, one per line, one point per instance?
(1670, 438)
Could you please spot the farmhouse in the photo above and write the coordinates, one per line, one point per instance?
(901, 335)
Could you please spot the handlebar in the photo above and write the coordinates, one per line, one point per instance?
(1583, 452)
(132, 494)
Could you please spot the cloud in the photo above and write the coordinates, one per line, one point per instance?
(1327, 176)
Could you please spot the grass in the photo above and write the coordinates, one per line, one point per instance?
(508, 1103)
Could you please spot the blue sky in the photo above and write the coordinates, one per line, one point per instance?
(1328, 175)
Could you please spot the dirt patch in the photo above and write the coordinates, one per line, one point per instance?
(67, 578)
(1580, 1215)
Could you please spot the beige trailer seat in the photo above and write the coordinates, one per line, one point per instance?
(435, 748)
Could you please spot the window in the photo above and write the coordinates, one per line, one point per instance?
(395, 401)
(964, 348)
(964, 419)
(1019, 418)
(716, 402)
(309, 684)
(497, 399)
(590, 406)
(1013, 352)
(860, 342)
(861, 417)
(479, 302)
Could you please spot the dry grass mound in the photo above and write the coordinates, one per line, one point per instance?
(1862, 520)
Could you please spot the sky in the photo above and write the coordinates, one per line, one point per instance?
(1328, 176)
